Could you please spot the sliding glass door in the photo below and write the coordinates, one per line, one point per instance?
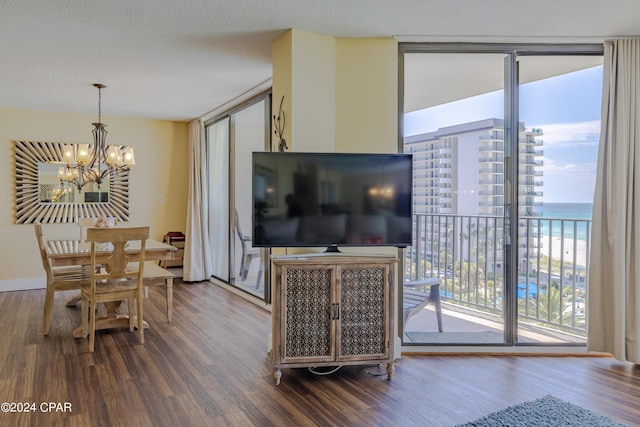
(249, 135)
(560, 113)
(454, 126)
(491, 224)
(231, 139)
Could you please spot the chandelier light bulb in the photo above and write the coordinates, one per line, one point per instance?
(112, 155)
(129, 159)
(68, 155)
(83, 153)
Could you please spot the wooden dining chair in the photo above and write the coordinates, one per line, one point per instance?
(58, 279)
(114, 279)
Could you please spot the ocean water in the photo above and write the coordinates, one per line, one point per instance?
(566, 210)
(565, 219)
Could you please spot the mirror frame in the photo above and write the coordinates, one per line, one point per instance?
(29, 208)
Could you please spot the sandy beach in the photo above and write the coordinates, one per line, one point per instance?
(557, 248)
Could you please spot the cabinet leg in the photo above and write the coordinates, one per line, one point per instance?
(277, 374)
(391, 368)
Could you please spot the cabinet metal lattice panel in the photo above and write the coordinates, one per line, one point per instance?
(308, 328)
(362, 311)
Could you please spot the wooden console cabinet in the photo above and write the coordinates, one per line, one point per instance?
(332, 310)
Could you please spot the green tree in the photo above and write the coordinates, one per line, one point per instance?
(551, 308)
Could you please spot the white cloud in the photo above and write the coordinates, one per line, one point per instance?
(553, 167)
(568, 182)
(570, 134)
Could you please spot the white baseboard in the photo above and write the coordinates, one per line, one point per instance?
(22, 284)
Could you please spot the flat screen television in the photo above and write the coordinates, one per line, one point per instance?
(96, 196)
(331, 199)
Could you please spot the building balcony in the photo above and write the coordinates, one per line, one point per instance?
(466, 253)
(493, 148)
(496, 180)
(492, 170)
(493, 192)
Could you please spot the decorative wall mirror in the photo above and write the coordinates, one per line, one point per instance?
(42, 197)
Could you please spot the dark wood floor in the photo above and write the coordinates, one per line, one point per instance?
(209, 368)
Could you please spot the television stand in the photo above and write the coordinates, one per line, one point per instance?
(332, 311)
(332, 249)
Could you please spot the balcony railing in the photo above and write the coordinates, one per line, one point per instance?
(466, 252)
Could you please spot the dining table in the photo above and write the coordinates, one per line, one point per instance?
(78, 252)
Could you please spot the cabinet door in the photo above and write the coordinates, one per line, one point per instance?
(308, 332)
(363, 326)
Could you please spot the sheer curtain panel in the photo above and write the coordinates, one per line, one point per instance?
(197, 251)
(614, 273)
(218, 196)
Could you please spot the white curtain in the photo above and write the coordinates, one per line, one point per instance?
(197, 251)
(614, 270)
(219, 196)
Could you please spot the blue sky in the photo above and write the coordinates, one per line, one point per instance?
(566, 108)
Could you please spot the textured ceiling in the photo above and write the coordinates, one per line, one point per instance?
(172, 60)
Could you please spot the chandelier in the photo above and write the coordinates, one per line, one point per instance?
(94, 164)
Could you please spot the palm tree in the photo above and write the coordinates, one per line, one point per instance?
(472, 236)
(549, 306)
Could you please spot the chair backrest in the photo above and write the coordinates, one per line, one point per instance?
(236, 223)
(112, 242)
(243, 239)
(43, 252)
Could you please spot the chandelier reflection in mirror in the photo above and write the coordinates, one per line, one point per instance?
(85, 164)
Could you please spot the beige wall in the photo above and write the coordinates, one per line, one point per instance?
(304, 70)
(344, 92)
(161, 172)
(313, 79)
(340, 94)
(366, 92)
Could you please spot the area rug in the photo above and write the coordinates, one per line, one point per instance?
(483, 337)
(547, 411)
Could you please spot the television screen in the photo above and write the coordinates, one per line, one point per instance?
(96, 196)
(331, 199)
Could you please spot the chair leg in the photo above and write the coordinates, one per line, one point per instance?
(84, 315)
(48, 309)
(434, 295)
(132, 314)
(260, 270)
(260, 274)
(92, 325)
(169, 298)
(246, 263)
(140, 317)
(243, 261)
